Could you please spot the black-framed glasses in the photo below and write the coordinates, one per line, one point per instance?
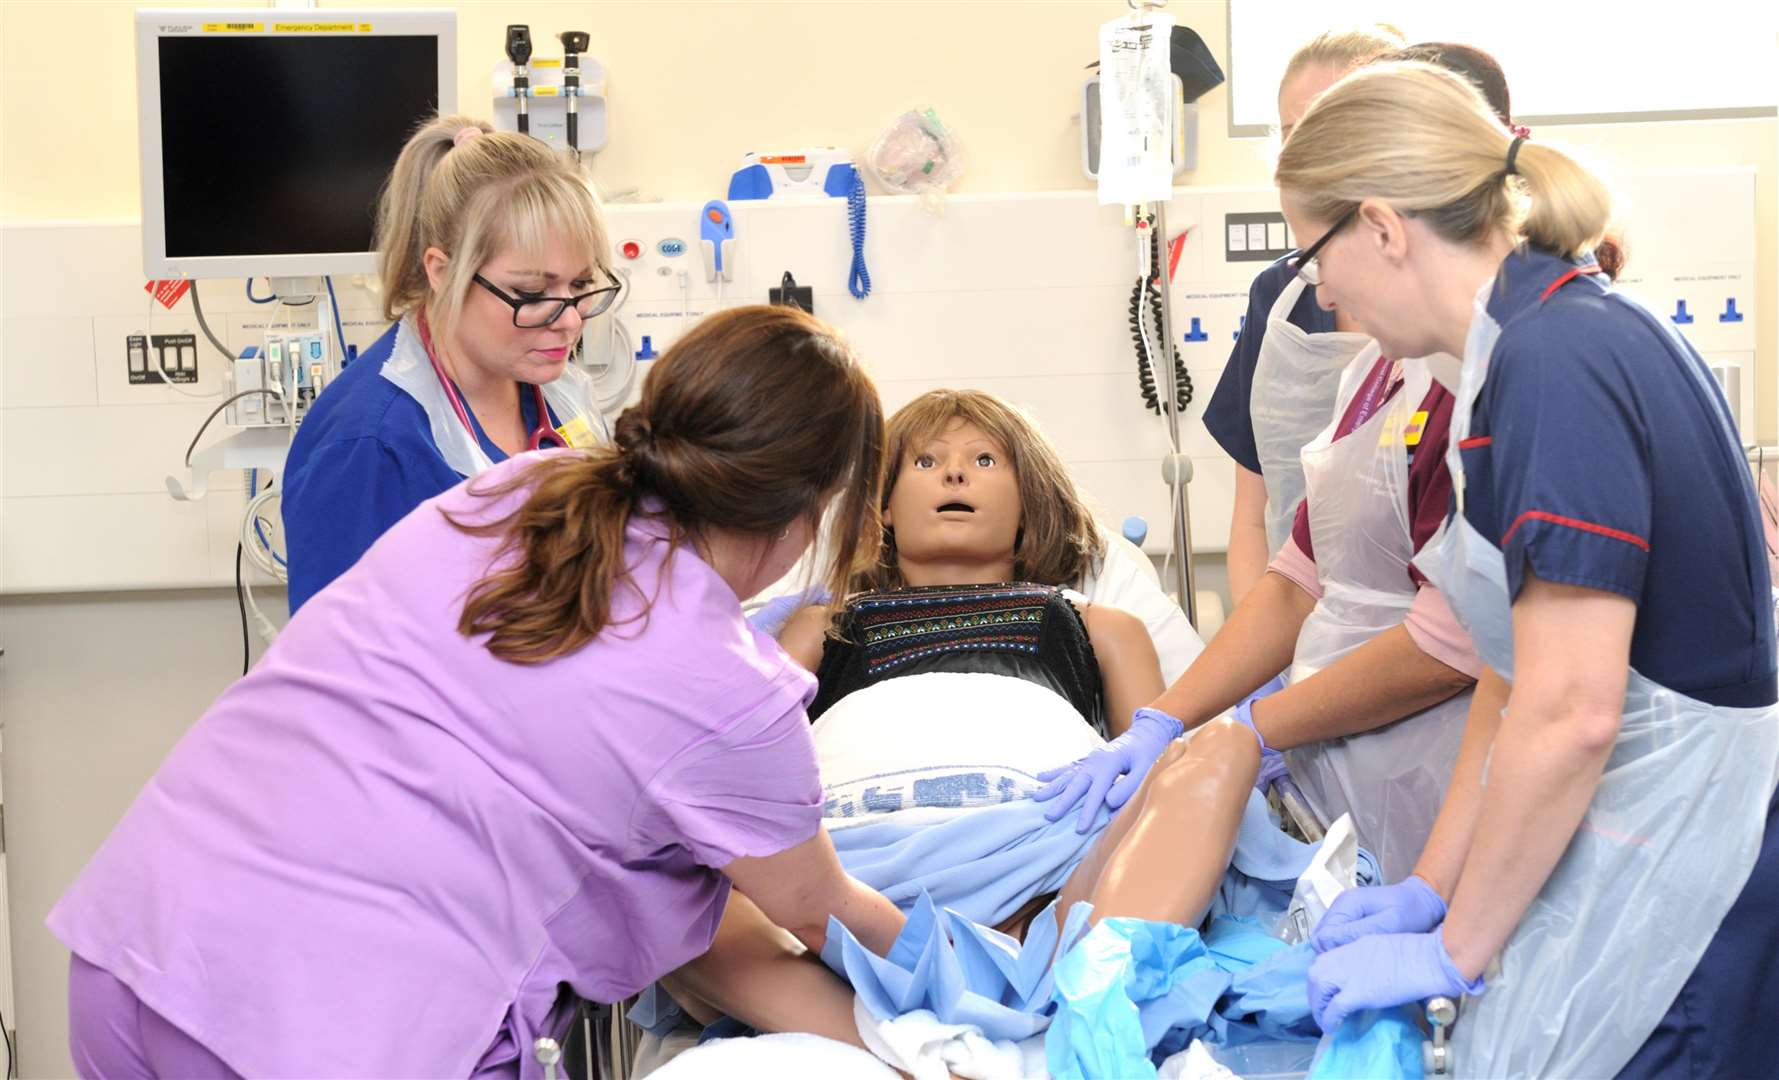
(1306, 265)
(543, 311)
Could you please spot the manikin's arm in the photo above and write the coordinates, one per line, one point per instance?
(804, 634)
(1130, 671)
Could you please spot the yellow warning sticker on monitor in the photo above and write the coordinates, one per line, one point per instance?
(314, 27)
(233, 27)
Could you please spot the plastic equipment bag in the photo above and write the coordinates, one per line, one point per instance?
(918, 155)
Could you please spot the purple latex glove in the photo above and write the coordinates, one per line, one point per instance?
(771, 616)
(1272, 763)
(1382, 970)
(1112, 773)
(1408, 907)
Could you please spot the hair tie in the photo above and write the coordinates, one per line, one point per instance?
(465, 134)
(1521, 130)
(632, 433)
(1513, 152)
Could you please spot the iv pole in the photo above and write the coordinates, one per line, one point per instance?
(1176, 468)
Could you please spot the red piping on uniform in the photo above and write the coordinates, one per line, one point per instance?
(1475, 441)
(1584, 526)
(1570, 275)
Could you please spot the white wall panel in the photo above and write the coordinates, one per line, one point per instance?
(1024, 295)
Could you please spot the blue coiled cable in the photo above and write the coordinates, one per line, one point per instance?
(859, 283)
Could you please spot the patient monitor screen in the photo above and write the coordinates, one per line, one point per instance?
(280, 145)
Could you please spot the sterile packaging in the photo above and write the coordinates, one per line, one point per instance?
(1333, 870)
(1194, 1063)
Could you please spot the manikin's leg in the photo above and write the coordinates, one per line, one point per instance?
(761, 975)
(1164, 855)
(1161, 858)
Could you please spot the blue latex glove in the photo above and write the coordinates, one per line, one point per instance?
(1272, 763)
(1112, 773)
(1382, 970)
(1408, 907)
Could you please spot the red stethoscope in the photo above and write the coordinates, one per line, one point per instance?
(539, 435)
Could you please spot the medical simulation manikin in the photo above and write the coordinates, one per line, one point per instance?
(957, 663)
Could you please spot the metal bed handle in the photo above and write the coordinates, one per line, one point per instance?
(1436, 1055)
(549, 1055)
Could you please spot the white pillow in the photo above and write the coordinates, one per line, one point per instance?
(1126, 579)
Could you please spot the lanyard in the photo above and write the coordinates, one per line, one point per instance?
(1377, 391)
(539, 435)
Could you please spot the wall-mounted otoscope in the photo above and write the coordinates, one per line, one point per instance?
(519, 52)
(574, 43)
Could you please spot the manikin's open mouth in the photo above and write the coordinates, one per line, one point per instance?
(965, 507)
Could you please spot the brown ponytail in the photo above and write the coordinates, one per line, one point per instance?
(751, 422)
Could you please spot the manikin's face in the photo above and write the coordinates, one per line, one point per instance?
(956, 498)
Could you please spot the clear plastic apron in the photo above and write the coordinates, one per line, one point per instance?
(1296, 378)
(1663, 851)
(570, 397)
(1392, 779)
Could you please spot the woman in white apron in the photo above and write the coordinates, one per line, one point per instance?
(1605, 846)
(493, 255)
(1371, 723)
(1295, 347)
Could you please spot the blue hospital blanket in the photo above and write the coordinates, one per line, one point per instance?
(958, 877)
(989, 862)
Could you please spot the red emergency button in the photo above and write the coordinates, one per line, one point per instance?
(631, 249)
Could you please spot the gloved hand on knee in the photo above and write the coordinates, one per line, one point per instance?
(1272, 763)
(1112, 773)
(1411, 906)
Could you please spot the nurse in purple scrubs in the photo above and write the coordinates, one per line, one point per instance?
(527, 741)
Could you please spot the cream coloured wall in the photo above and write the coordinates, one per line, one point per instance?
(692, 86)
(695, 84)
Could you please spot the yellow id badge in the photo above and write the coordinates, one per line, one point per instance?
(580, 434)
(1411, 435)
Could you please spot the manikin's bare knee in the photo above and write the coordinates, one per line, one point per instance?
(1222, 756)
